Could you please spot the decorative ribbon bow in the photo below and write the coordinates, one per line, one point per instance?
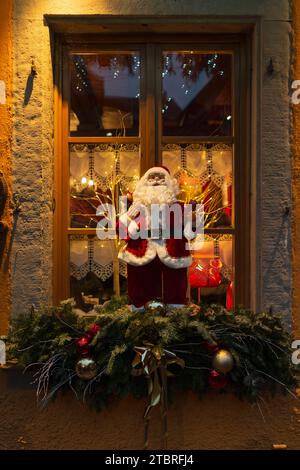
(153, 361)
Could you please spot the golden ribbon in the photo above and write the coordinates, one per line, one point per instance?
(153, 361)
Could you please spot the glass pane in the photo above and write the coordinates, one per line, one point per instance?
(196, 94)
(204, 174)
(98, 174)
(105, 93)
(91, 271)
(211, 273)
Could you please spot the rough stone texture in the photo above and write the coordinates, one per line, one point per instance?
(216, 422)
(5, 153)
(296, 173)
(32, 165)
(275, 230)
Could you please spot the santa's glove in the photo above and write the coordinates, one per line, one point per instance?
(134, 230)
(133, 211)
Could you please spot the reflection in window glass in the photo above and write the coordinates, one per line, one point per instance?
(211, 273)
(204, 174)
(105, 92)
(196, 94)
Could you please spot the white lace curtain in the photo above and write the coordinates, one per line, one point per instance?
(205, 163)
(99, 162)
(93, 255)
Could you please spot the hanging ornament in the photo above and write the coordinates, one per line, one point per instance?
(129, 197)
(217, 380)
(194, 310)
(86, 368)
(92, 331)
(82, 346)
(156, 307)
(211, 347)
(223, 361)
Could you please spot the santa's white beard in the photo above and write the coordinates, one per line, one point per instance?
(147, 194)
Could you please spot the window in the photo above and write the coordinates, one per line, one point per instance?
(123, 107)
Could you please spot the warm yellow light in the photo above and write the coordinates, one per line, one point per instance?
(91, 183)
(83, 180)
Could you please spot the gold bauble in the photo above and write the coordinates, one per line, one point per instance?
(86, 368)
(223, 361)
(156, 307)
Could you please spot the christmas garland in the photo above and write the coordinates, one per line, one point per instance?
(124, 353)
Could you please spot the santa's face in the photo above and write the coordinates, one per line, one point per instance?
(156, 187)
(156, 179)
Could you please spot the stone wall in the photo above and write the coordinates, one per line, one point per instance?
(216, 422)
(5, 154)
(295, 75)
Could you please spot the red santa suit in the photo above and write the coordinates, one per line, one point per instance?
(156, 267)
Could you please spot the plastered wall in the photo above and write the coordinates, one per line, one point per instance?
(216, 422)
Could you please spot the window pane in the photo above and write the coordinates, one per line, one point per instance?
(196, 94)
(91, 271)
(211, 273)
(98, 174)
(204, 174)
(105, 91)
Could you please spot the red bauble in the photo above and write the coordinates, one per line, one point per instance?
(92, 331)
(217, 380)
(129, 196)
(82, 346)
(211, 347)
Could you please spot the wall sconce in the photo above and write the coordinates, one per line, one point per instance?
(33, 69)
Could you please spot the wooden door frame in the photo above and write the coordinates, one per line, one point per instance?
(240, 44)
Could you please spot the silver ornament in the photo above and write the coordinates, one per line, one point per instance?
(223, 361)
(156, 307)
(86, 368)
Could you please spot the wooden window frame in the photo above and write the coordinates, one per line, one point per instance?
(240, 46)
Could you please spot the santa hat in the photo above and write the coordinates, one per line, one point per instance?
(157, 169)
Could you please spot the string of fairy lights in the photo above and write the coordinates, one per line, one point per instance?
(190, 64)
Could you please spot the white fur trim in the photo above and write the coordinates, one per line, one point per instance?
(171, 262)
(156, 169)
(155, 247)
(133, 228)
(133, 260)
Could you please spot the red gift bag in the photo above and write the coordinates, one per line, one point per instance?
(205, 271)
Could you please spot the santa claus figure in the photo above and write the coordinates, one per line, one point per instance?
(156, 251)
